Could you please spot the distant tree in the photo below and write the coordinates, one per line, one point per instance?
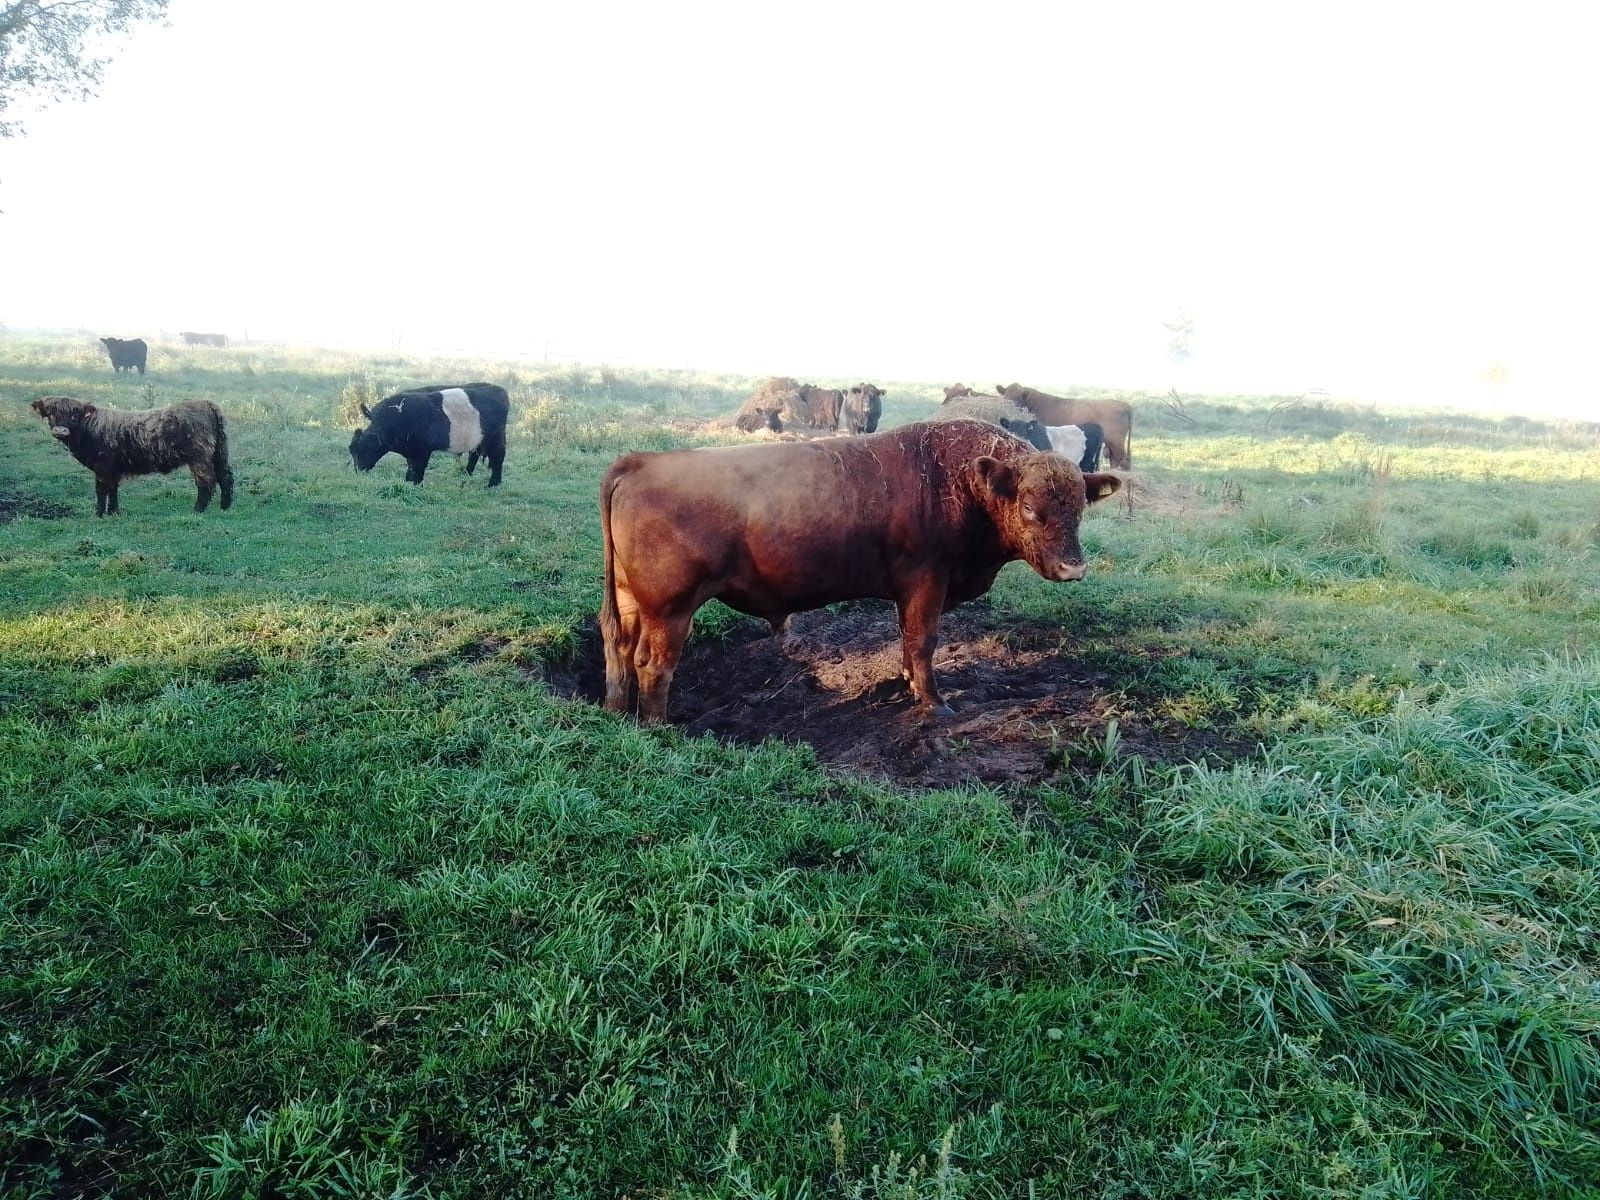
(52, 49)
(1180, 331)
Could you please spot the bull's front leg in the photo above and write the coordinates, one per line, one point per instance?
(919, 635)
(416, 467)
(102, 490)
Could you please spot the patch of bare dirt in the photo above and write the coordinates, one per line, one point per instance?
(25, 504)
(1020, 695)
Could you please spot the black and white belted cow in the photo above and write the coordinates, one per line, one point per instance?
(465, 419)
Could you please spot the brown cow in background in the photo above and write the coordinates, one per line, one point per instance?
(924, 515)
(781, 403)
(960, 391)
(1115, 418)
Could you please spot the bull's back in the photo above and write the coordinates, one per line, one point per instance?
(765, 528)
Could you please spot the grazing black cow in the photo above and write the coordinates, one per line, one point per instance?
(863, 406)
(126, 355)
(190, 338)
(465, 419)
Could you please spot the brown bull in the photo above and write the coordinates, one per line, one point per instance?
(924, 515)
(1115, 418)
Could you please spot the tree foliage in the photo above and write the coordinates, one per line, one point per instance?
(54, 49)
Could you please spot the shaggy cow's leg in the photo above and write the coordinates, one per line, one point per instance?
(204, 486)
(919, 634)
(102, 489)
(111, 495)
(655, 659)
(472, 461)
(780, 628)
(415, 468)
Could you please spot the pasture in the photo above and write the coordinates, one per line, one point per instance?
(1263, 862)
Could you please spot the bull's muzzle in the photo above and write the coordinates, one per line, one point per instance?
(1068, 572)
(60, 431)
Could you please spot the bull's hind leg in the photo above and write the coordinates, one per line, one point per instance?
(205, 484)
(620, 637)
(494, 449)
(656, 658)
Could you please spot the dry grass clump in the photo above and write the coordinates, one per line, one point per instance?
(769, 405)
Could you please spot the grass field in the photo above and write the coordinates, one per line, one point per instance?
(309, 886)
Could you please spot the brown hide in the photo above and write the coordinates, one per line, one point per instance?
(924, 515)
(1115, 418)
(114, 442)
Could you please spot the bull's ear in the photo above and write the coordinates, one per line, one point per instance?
(1001, 477)
(88, 410)
(38, 407)
(1098, 487)
(366, 412)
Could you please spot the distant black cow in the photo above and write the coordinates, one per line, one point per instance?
(863, 406)
(126, 355)
(219, 340)
(465, 419)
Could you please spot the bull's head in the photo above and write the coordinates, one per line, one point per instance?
(64, 415)
(366, 448)
(1037, 502)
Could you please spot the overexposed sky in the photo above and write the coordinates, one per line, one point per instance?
(1376, 199)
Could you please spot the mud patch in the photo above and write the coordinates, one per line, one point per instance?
(1025, 703)
(25, 504)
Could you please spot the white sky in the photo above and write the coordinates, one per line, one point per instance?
(1376, 199)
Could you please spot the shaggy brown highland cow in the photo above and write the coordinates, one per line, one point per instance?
(112, 443)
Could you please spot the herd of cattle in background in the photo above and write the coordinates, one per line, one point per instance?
(925, 514)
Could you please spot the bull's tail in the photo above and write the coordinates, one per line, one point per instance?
(618, 654)
(1127, 446)
(219, 459)
(609, 624)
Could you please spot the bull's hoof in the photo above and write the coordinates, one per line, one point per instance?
(940, 712)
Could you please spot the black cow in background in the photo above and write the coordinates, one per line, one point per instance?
(863, 406)
(1031, 432)
(190, 338)
(460, 419)
(126, 355)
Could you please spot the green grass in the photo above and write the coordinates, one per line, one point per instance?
(309, 887)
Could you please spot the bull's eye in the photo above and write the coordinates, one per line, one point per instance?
(1027, 511)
